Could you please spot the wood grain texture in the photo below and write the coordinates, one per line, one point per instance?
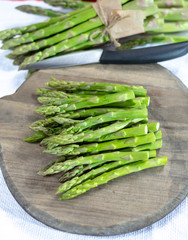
(123, 205)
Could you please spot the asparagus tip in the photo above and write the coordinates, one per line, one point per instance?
(41, 173)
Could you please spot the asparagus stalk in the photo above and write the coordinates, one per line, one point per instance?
(153, 127)
(52, 29)
(54, 128)
(145, 147)
(57, 98)
(106, 177)
(72, 3)
(39, 11)
(9, 33)
(103, 146)
(91, 112)
(149, 11)
(107, 117)
(91, 102)
(86, 136)
(62, 46)
(37, 137)
(53, 93)
(67, 3)
(72, 32)
(170, 27)
(174, 14)
(127, 157)
(153, 24)
(160, 38)
(132, 103)
(142, 129)
(158, 134)
(44, 123)
(170, 4)
(95, 86)
(90, 175)
(78, 171)
(51, 101)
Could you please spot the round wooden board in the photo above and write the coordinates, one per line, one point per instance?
(123, 205)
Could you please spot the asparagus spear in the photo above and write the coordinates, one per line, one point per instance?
(170, 4)
(158, 134)
(132, 103)
(54, 128)
(107, 117)
(72, 173)
(103, 146)
(90, 112)
(175, 14)
(53, 93)
(9, 33)
(62, 46)
(59, 26)
(59, 101)
(37, 137)
(91, 102)
(145, 147)
(72, 32)
(89, 135)
(44, 123)
(95, 86)
(90, 175)
(106, 177)
(72, 3)
(78, 171)
(170, 27)
(160, 38)
(39, 11)
(127, 157)
(149, 11)
(67, 3)
(57, 98)
(153, 127)
(142, 129)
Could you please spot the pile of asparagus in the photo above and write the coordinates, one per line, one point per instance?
(100, 131)
(64, 33)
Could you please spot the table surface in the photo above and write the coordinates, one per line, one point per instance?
(14, 221)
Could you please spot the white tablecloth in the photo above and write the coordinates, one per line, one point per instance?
(15, 223)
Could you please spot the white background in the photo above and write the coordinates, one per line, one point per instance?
(15, 223)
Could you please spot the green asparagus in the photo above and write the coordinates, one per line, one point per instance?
(52, 29)
(91, 102)
(39, 11)
(106, 177)
(75, 149)
(9, 33)
(106, 87)
(87, 136)
(127, 157)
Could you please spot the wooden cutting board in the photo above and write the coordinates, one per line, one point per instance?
(123, 205)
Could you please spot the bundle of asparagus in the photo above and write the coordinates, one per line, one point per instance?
(100, 131)
(72, 31)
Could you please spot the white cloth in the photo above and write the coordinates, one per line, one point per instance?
(15, 223)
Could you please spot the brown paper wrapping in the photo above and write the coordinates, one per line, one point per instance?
(119, 23)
